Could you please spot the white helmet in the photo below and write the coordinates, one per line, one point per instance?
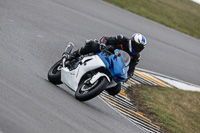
(137, 43)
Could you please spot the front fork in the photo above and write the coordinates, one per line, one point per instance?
(63, 61)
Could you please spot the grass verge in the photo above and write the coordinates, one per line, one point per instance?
(172, 109)
(182, 15)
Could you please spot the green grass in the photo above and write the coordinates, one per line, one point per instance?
(172, 109)
(182, 15)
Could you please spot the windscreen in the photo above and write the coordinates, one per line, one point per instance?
(125, 57)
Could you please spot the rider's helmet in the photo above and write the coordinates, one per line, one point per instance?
(137, 43)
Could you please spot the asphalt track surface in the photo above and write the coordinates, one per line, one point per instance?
(33, 34)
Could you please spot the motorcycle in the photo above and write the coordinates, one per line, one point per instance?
(89, 75)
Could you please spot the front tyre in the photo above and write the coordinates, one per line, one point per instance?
(87, 91)
(54, 74)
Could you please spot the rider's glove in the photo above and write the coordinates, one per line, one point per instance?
(102, 46)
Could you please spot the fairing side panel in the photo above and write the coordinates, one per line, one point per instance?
(72, 78)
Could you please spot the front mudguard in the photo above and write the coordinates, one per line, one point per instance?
(97, 76)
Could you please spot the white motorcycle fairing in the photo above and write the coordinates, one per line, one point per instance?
(73, 77)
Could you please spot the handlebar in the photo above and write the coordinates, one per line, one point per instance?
(104, 48)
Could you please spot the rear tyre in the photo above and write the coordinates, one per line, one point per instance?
(54, 74)
(87, 91)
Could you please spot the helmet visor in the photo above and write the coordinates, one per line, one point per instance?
(136, 47)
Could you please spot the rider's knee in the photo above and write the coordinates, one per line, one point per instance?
(114, 90)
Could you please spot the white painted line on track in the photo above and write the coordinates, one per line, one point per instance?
(165, 76)
(179, 85)
(196, 1)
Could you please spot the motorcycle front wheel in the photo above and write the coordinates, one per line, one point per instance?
(87, 91)
(54, 74)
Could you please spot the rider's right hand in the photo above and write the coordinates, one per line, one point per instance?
(102, 46)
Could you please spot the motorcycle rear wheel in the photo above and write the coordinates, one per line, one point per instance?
(82, 94)
(54, 74)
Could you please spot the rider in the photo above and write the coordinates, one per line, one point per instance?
(132, 46)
